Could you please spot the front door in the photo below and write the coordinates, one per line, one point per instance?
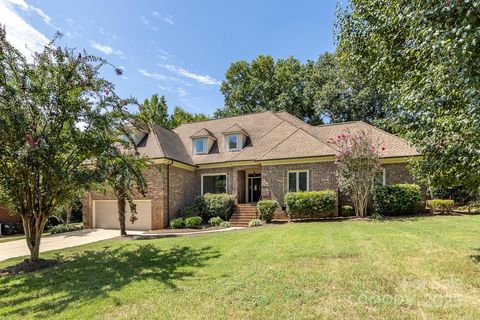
(254, 187)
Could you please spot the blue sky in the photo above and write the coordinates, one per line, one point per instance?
(180, 49)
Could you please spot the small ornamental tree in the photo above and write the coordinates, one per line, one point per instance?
(58, 116)
(358, 162)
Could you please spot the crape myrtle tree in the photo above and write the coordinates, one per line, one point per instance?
(58, 116)
(424, 55)
(358, 162)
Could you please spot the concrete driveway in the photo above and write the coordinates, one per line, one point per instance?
(18, 248)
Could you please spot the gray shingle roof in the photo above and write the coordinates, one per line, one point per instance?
(271, 136)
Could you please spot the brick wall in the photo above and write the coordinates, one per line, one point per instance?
(398, 173)
(274, 178)
(182, 189)
(6, 217)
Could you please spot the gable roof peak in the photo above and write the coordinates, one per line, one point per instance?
(203, 133)
(236, 128)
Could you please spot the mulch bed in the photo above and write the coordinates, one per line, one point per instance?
(28, 266)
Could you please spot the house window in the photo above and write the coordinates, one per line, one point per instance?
(214, 183)
(233, 142)
(298, 181)
(199, 146)
(381, 178)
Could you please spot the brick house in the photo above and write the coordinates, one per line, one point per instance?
(254, 156)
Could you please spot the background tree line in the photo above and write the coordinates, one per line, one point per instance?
(316, 91)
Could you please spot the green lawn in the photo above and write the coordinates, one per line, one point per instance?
(11, 238)
(426, 268)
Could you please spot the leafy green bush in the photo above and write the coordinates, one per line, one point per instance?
(196, 209)
(225, 224)
(255, 223)
(312, 204)
(193, 222)
(215, 221)
(347, 211)
(177, 223)
(397, 199)
(440, 205)
(461, 195)
(65, 228)
(220, 204)
(266, 209)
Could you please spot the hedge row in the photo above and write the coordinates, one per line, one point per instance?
(311, 204)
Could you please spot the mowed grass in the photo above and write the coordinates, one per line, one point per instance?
(425, 268)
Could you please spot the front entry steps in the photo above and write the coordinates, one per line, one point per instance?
(243, 214)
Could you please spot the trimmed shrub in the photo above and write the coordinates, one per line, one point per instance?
(65, 228)
(397, 199)
(193, 222)
(221, 205)
(225, 224)
(266, 209)
(440, 205)
(312, 204)
(215, 221)
(255, 223)
(177, 223)
(347, 211)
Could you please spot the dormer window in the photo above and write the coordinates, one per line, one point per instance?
(200, 145)
(233, 142)
(235, 138)
(202, 141)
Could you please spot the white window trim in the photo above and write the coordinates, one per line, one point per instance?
(227, 142)
(213, 174)
(384, 176)
(205, 145)
(297, 180)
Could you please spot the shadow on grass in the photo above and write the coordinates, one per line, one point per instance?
(84, 277)
(476, 256)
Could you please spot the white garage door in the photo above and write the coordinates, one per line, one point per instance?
(105, 215)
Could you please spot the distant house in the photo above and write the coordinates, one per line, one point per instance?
(254, 156)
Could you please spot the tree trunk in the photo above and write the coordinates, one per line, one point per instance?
(33, 228)
(121, 203)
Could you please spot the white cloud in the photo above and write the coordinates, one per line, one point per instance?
(105, 49)
(156, 76)
(21, 35)
(204, 79)
(182, 92)
(146, 22)
(165, 88)
(168, 19)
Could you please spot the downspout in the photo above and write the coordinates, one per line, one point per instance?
(168, 192)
